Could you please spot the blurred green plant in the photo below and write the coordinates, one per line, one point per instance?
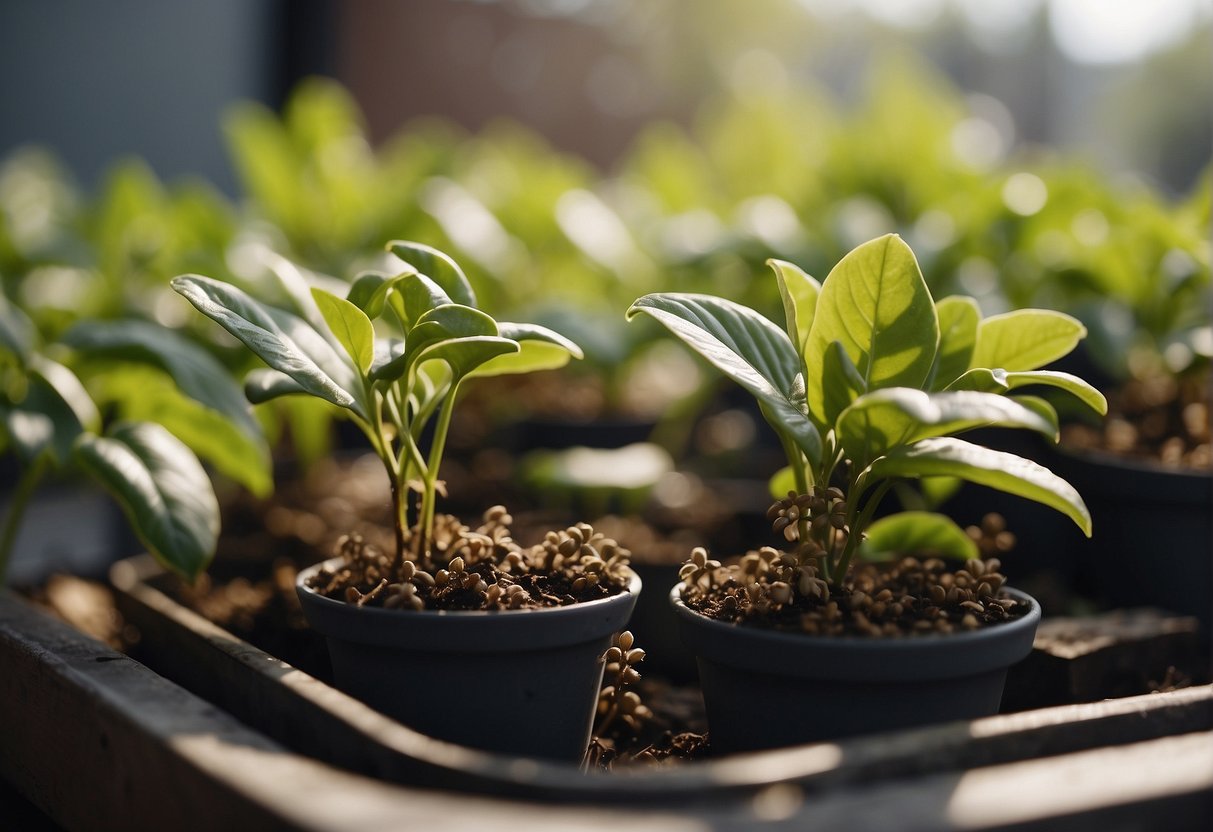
(49, 421)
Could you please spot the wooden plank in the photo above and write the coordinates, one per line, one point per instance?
(99, 742)
(316, 719)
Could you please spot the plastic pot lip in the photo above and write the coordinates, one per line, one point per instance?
(474, 630)
(856, 658)
(1125, 465)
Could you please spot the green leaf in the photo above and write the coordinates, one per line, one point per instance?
(877, 305)
(799, 293)
(1000, 381)
(68, 389)
(919, 533)
(959, 317)
(420, 295)
(145, 393)
(44, 420)
(1025, 339)
(263, 385)
(163, 490)
(369, 291)
(259, 329)
(196, 372)
(893, 417)
(532, 356)
(841, 382)
(438, 267)
(463, 355)
(540, 348)
(781, 482)
(351, 326)
(747, 348)
(996, 469)
(16, 329)
(443, 323)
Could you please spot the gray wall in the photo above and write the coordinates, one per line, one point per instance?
(99, 80)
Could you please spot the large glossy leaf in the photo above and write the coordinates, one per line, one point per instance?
(1000, 381)
(885, 419)
(372, 290)
(263, 385)
(540, 348)
(196, 372)
(163, 490)
(921, 533)
(799, 293)
(438, 267)
(747, 348)
(996, 469)
(64, 383)
(1025, 339)
(350, 325)
(876, 304)
(144, 393)
(48, 417)
(259, 330)
(958, 321)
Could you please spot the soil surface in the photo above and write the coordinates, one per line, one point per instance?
(1161, 419)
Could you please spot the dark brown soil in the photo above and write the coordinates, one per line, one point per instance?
(478, 569)
(1161, 419)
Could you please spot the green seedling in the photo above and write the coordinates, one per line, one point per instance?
(869, 382)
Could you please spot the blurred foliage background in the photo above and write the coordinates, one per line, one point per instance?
(574, 154)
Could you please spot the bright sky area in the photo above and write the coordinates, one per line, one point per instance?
(1087, 31)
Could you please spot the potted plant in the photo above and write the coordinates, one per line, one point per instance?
(457, 631)
(868, 385)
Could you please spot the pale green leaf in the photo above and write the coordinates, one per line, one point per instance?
(263, 385)
(882, 420)
(959, 318)
(1000, 381)
(877, 305)
(918, 533)
(799, 293)
(1025, 339)
(351, 325)
(996, 469)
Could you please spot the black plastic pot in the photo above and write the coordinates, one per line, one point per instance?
(519, 681)
(767, 689)
(1153, 532)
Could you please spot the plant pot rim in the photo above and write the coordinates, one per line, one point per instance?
(859, 658)
(519, 630)
(1142, 465)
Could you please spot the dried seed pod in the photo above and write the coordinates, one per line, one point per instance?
(456, 565)
(780, 592)
(973, 606)
(938, 594)
(625, 640)
(630, 676)
(969, 622)
(634, 656)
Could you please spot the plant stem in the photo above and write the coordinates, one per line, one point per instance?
(21, 495)
(428, 495)
(857, 524)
